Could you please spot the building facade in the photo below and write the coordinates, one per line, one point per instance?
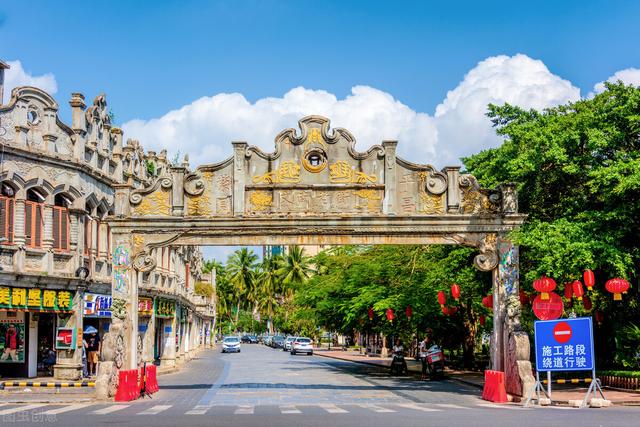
(57, 185)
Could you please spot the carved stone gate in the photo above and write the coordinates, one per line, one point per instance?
(315, 188)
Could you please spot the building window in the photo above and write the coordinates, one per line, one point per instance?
(61, 224)
(7, 207)
(86, 248)
(34, 219)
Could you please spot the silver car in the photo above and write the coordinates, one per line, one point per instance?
(231, 345)
(302, 345)
(287, 343)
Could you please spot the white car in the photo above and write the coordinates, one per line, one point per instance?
(231, 345)
(302, 345)
(287, 343)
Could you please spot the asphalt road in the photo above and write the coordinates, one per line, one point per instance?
(265, 387)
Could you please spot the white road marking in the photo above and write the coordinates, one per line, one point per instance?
(376, 408)
(505, 406)
(289, 409)
(110, 409)
(66, 409)
(21, 408)
(198, 410)
(155, 410)
(333, 409)
(244, 410)
(417, 407)
(450, 406)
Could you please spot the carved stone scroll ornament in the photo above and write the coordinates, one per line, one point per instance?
(165, 182)
(433, 182)
(194, 184)
(487, 244)
(143, 261)
(476, 200)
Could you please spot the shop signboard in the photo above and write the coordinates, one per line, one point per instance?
(145, 306)
(35, 299)
(65, 338)
(11, 340)
(97, 305)
(165, 308)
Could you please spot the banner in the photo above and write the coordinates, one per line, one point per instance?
(165, 308)
(34, 299)
(145, 306)
(11, 341)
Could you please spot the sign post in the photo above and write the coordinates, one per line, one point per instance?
(564, 345)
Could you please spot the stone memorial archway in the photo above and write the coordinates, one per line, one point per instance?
(315, 188)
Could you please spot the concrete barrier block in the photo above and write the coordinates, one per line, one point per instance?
(599, 403)
(575, 403)
(545, 401)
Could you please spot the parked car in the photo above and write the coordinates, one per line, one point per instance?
(302, 345)
(287, 343)
(249, 339)
(231, 345)
(278, 341)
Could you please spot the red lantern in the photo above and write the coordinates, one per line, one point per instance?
(442, 298)
(390, 314)
(370, 313)
(544, 285)
(449, 311)
(617, 287)
(599, 317)
(524, 298)
(455, 291)
(577, 289)
(589, 279)
(409, 312)
(549, 309)
(586, 302)
(568, 290)
(483, 319)
(488, 301)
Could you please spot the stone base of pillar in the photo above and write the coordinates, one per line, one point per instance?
(67, 372)
(518, 373)
(167, 363)
(106, 380)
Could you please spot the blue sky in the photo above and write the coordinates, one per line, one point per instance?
(194, 75)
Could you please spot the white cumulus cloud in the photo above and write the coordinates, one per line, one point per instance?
(17, 76)
(457, 128)
(630, 76)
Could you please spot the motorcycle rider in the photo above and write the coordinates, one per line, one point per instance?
(398, 357)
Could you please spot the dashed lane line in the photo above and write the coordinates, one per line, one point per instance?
(198, 410)
(333, 409)
(289, 409)
(21, 408)
(244, 410)
(66, 409)
(155, 410)
(417, 407)
(510, 407)
(376, 408)
(110, 409)
(450, 406)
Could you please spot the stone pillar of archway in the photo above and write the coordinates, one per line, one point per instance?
(510, 348)
(120, 344)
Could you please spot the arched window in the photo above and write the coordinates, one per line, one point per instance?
(7, 207)
(98, 222)
(34, 218)
(61, 223)
(86, 249)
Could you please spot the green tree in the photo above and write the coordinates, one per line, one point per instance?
(241, 269)
(294, 269)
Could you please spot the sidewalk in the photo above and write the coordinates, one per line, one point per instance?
(561, 394)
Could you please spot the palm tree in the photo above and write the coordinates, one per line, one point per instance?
(294, 269)
(241, 266)
(269, 285)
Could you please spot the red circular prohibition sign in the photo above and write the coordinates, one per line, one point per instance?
(562, 332)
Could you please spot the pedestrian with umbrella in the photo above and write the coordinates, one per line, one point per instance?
(94, 346)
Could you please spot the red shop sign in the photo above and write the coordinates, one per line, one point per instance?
(549, 309)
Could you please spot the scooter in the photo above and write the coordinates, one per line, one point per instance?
(435, 362)
(398, 364)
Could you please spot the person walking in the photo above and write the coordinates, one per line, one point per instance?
(12, 343)
(422, 352)
(94, 346)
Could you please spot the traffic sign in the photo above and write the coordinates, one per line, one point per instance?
(564, 344)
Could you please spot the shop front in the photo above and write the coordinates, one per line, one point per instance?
(32, 330)
(146, 329)
(97, 312)
(165, 332)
